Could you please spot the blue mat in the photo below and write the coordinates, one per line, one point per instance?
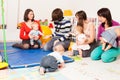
(18, 58)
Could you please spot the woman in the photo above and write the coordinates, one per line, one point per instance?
(62, 28)
(26, 27)
(89, 31)
(104, 16)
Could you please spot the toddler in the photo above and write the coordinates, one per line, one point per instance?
(34, 32)
(79, 43)
(53, 60)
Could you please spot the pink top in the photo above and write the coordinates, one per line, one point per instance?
(101, 29)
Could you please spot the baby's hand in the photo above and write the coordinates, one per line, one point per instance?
(62, 65)
(36, 37)
(31, 36)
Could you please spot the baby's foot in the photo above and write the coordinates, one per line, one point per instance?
(42, 71)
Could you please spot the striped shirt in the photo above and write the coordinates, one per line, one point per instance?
(62, 28)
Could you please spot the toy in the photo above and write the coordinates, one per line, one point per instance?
(70, 47)
(18, 25)
(50, 25)
(46, 31)
(44, 23)
(3, 65)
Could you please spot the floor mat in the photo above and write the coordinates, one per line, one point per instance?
(30, 74)
(18, 58)
(85, 69)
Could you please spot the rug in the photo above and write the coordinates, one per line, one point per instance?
(85, 69)
(29, 74)
(19, 58)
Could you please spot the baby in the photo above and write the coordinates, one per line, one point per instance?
(53, 60)
(34, 32)
(80, 39)
(109, 37)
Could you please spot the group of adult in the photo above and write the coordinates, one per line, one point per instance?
(63, 28)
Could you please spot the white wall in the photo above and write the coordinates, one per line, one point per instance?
(43, 9)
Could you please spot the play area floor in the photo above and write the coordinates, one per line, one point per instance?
(84, 69)
(29, 74)
(79, 69)
(19, 58)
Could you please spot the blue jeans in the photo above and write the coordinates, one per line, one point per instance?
(49, 63)
(49, 45)
(106, 56)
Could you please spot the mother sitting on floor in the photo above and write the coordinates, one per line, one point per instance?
(110, 55)
(88, 30)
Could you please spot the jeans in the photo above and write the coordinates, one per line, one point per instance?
(49, 63)
(49, 45)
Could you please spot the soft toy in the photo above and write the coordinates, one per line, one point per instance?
(70, 47)
(3, 65)
(18, 25)
(46, 31)
(44, 23)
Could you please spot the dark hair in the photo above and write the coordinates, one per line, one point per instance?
(59, 43)
(57, 14)
(81, 17)
(80, 29)
(105, 12)
(27, 11)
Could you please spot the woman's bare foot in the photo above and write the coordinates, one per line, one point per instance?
(42, 71)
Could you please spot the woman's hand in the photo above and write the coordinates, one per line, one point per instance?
(100, 38)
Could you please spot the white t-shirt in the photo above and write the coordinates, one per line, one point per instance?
(35, 33)
(80, 38)
(57, 55)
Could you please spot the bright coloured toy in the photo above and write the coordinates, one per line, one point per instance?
(46, 31)
(3, 65)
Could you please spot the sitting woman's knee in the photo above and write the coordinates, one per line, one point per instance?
(106, 59)
(95, 55)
